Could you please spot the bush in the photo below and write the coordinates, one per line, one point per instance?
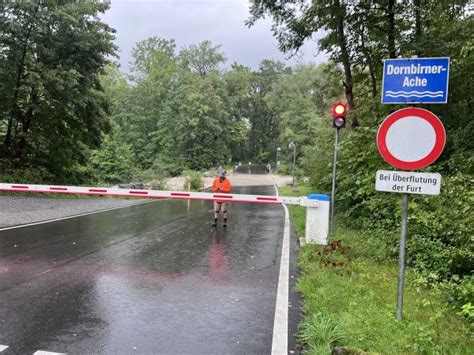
(153, 179)
(193, 180)
(285, 169)
(168, 166)
(27, 176)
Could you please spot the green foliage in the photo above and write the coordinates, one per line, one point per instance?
(193, 180)
(52, 106)
(202, 58)
(321, 334)
(362, 316)
(165, 165)
(180, 111)
(153, 179)
(467, 310)
(440, 228)
(32, 175)
(114, 161)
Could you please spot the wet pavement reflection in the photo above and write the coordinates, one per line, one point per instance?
(153, 278)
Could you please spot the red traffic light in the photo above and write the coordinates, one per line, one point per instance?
(339, 111)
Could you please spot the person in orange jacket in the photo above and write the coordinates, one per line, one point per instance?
(221, 185)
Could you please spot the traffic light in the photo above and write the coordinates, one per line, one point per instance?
(339, 111)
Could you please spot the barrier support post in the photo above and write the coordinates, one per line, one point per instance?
(317, 219)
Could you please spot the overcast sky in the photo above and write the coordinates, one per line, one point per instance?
(192, 21)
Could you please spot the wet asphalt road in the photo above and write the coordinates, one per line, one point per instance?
(153, 278)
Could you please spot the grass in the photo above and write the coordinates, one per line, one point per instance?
(349, 300)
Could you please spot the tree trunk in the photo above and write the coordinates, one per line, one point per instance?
(346, 63)
(27, 120)
(417, 4)
(373, 79)
(14, 115)
(392, 51)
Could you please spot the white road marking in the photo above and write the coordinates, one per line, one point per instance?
(42, 352)
(3, 347)
(69, 217)
(276, 191)
(280, 324)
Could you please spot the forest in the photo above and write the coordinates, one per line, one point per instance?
(69, 114)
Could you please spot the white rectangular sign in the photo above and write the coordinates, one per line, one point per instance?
(408, 182)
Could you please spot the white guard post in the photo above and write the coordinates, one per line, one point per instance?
(317, 218)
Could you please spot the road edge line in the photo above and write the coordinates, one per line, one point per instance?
(3, 347)
(69, 217)
(280, 324)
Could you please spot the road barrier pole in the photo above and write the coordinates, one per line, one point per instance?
(317, 218)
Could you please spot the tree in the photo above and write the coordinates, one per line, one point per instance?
(151, 101)
(263, 119)
(51, 102)
(295, 21)
(202, 58)
(356, 34)
(113, 162)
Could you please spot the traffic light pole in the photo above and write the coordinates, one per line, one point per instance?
(333, 193)
(294, 163)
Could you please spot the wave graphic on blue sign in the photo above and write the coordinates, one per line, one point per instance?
(415, 93)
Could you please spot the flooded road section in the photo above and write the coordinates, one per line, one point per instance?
(153, 278)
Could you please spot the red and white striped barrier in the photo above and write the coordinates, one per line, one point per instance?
(176, 195)
(317, 215)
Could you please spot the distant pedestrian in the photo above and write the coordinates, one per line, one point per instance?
(221, 185)
(269, 168)
(219, 170)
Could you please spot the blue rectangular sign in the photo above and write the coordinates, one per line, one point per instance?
(415, 80)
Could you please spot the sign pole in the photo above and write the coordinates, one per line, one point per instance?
(411, 81)
(333, 193)
(401, 261)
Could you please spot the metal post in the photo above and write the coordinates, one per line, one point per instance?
(333, 193)
(294, 163)
(401, 261)
(278, 157)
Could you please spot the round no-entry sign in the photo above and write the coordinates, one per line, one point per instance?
(411, 138)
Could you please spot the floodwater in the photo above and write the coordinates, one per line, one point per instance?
(152, 278)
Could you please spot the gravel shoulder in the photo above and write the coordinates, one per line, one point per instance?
(19, 210)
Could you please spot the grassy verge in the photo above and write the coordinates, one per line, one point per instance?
(350, 299)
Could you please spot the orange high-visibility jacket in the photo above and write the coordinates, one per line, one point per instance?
(221, 186)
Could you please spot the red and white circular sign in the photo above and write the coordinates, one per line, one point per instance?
(411, 138)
